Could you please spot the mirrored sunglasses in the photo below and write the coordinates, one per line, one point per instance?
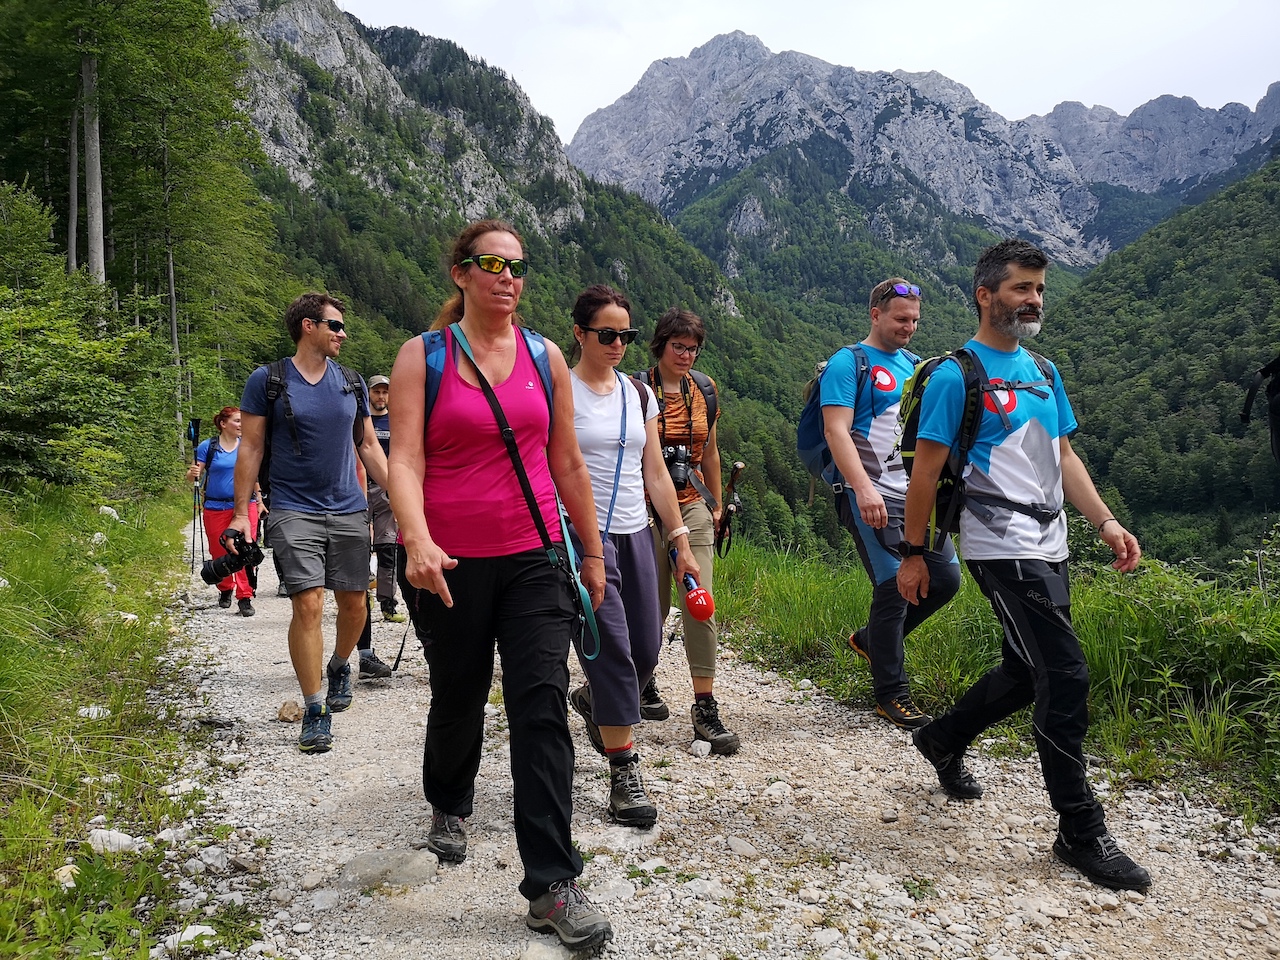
(492, 263)
(901, 290)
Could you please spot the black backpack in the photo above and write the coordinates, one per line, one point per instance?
(276, 388)
(951, 497)
(1271, 370)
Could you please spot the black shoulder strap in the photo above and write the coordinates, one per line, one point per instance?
(708, 389)
(355, 385)
(644, 395)
(277, 387)
(1270, 370)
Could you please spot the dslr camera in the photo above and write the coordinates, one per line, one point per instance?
(248, 554)
(678, 464)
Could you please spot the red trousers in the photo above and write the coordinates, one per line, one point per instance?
(215, 524)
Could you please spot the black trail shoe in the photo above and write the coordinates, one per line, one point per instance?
(372, 668)
(1103, 862)
(957, 782)
(707, 726)
(246, 607)
(224, 598)
(339, 694)
(629, 805)
(902, 712)
(565, 911)
(448, 837)
(652, 706)
(580, 700)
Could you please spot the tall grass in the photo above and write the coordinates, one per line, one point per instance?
(1185, 673)
(84, 643)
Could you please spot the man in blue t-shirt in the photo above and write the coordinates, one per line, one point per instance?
(1014, 537)
(860, 423)
(319, 520)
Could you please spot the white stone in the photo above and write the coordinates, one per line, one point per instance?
(112, 841)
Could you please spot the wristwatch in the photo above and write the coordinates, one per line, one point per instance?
(906, 549)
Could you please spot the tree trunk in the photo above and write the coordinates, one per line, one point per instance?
(93, 171)
(73, 200)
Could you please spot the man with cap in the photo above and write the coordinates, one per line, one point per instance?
(384, 523)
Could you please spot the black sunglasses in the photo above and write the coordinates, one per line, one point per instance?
(337, 326)
(492, 263)
(607, 336)
(900, 290)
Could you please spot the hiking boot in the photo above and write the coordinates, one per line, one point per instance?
(246, 607)
(448, 836)
(316, 736)
(629, 805)
(224, 598)
(371, 668)
(858, 645)
(1103, 862)
(652, 706)
(705, 713)
(902, 712)
(339, 696)
(580, 700)
(566, 911)
(957, 782)
(282, 591)
(390, 614)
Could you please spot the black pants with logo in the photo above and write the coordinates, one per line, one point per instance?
(1041, 664)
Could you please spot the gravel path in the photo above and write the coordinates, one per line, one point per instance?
(823, 838)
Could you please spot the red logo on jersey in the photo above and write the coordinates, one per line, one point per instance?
(882, 379)
(1006, 398)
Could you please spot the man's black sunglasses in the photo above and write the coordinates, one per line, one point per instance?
(607, 336)
(337, 326)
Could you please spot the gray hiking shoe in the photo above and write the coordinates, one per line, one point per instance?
(652, 706)
(316, 736)
(339, 694)
(565, 911)
(372, 668)
(705, 713)
(580, 700)
(629, 805)
(448, 837)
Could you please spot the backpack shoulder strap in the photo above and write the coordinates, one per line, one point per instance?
(703, 383)
(433, 343)
(642, 389)
(277, 387)
(975, 382)
(1270, 370)
(356, 386)
(537, 346)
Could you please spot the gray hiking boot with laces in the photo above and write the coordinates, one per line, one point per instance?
(448, 836)
(629, 804)
(565, 911)
(652, 706)
(705, 713)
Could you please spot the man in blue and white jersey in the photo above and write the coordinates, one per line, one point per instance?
(860, 423)
(1013, 534)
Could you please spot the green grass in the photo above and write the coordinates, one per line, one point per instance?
(1185, 673)
(83, 624)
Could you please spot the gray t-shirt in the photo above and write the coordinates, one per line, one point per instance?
(323, 478)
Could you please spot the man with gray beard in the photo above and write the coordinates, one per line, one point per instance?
(1013, 535)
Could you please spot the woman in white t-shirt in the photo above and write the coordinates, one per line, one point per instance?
(615, 419)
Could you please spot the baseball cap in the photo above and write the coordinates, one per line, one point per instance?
(379, 381)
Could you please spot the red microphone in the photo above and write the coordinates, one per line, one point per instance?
(697, 600)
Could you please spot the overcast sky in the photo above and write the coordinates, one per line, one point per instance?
(574, 56)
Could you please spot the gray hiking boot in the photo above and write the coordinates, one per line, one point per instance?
(565, 911)
(629, 805)
(448, 837)
(316, 736)
(652, 706)
(707, 726)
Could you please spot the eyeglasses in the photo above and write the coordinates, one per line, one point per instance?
(681, 350)
(337, 326)
(607, 336)
(492, 263)
(900, 290)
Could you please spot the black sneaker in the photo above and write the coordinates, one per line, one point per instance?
(629, 805)
(316, 736)
(339, 695)
(282, 591)
(857, 645)
(565, 911)
(652, 706)
(580, 700)
(246, 607)
(448, 836)
(390, 614)
(957, 782)
(1103, 862)
(224, 598)
(705, 713)
(902, 712)
(372, 668)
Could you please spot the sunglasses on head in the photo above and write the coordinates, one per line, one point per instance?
(901, 290)
(337, 326)
(492, 263)
(607, 336)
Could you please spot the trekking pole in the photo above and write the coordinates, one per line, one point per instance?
(195, 522)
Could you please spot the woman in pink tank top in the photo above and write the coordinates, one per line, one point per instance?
(475, 571)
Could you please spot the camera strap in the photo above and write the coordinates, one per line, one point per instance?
(581, 599)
